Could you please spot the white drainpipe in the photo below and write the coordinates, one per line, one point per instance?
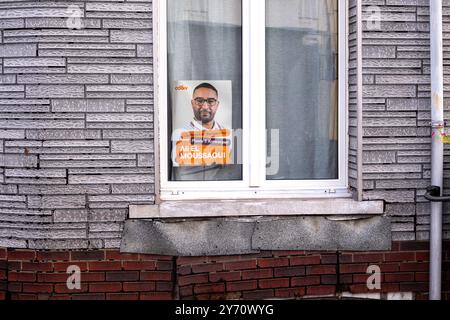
(437, 147)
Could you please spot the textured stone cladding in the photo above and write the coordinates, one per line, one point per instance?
(352, 95)
(76, 117)
(76, 121)
(396, 112)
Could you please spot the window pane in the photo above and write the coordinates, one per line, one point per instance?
(205, 89)
(302, 89)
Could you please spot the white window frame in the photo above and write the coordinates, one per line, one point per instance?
(254, 183)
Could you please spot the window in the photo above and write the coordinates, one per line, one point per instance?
(251, 98)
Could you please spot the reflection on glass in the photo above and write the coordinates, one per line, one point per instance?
(205, 89)
(302, 89)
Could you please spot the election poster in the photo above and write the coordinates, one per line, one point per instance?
(202, 123)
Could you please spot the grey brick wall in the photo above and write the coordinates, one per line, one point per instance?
(76, 118)
(352, 95)
(76, 121)
(396, 110)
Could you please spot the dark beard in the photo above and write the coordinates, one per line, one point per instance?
(204, 120)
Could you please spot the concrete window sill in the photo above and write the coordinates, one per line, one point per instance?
(251, 208)
(229, 227)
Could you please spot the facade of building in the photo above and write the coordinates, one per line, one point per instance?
(87, 179)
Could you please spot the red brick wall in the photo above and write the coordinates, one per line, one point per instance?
(108, 274)
(298, 274)
(105, 274)
(3, 274)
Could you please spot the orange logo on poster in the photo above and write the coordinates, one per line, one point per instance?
(181, 88)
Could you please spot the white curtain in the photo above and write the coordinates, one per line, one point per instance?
(301, 70)
(205, 43)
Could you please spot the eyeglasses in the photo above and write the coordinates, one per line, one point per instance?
(200, 101)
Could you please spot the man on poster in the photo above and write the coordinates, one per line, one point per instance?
(205, 104)
(203, 142)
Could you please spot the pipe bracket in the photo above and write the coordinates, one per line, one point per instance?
(433, 194)
(438, 124)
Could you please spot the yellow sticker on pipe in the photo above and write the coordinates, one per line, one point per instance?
(442, 136)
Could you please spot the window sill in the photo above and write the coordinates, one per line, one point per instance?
(256, 207)
(221, 191)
